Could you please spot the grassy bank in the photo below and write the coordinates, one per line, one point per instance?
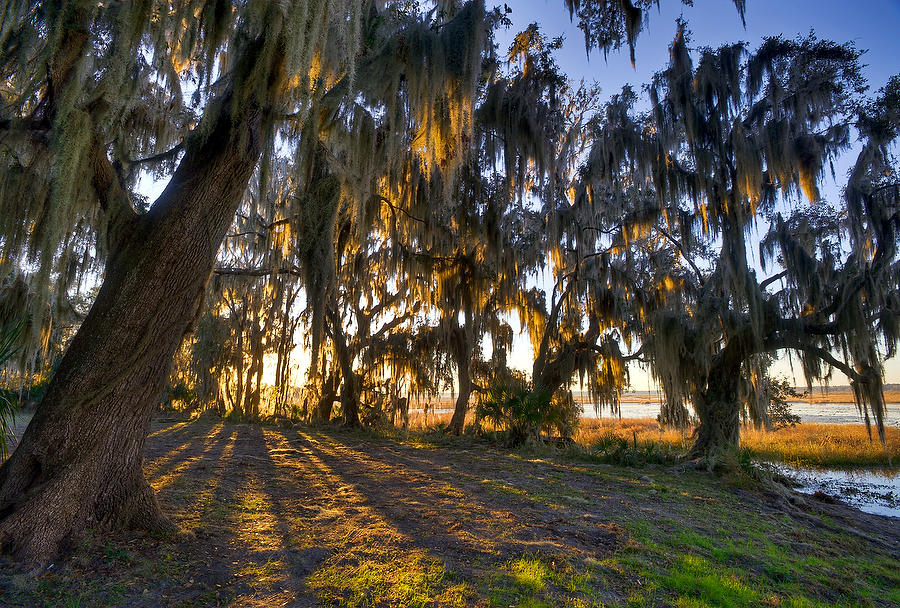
(326, 517)
(807, 444)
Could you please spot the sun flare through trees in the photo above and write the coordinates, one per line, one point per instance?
(361, 202)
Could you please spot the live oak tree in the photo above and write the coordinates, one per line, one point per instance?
(731, 144)
(83, 78)
(203, 95)
(546, 124)
(366, 308)
(210, 89)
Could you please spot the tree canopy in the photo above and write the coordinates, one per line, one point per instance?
(379, 181)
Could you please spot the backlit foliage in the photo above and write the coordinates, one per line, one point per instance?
(99, 94)
(736, 143)
(418, 189)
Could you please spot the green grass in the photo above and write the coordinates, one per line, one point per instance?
(408, 581)
(530, 581)
(749, 564)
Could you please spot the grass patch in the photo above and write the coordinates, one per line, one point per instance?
(539, 581)
(698, 583)
(748, 562)
(410, 581)
(270, 570)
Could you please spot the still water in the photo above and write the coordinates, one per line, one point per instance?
(831, 413)
(870, 490)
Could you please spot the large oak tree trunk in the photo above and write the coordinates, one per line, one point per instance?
(350, 393)
(325, 405)
(79, 464)
(719, 410)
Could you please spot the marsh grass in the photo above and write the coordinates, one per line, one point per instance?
(808, 444)
(835, 445)
(630, 441)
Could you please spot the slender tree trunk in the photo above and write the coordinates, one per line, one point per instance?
(239, 372)
(254, 372)
(280, 369)
(251, 369)
(462, 400)
(464, 379)
(286, 348)
(230, 397)
(79, 464)
(351, 385)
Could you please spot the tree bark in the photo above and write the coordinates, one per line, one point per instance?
(326, 406)
(462, 400)
(79, 464)
(254, 372)
(719, 409)
(350, 388)
(463, 347)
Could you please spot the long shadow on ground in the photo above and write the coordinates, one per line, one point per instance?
(309, 517)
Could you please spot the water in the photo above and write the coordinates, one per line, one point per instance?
(829, 413)
(871, 490)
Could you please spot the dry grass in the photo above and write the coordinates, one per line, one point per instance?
(419, 421)
(843, 395)
(806, 444)
(825, 445)
(642, 430)
(810, 444)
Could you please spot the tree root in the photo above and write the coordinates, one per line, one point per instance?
(52, 515)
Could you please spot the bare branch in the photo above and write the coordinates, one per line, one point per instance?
(400, 209)
(157, 158)
(684, 255)
(256, 272)
(772, 279)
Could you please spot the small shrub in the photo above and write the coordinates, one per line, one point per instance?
(779, 411)
(513, 406)
(181, 397)
(616, 449)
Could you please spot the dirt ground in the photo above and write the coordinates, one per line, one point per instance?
(308, 517)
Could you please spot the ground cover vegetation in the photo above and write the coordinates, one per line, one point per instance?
(379, 181)
(327, 516)
(806, 444)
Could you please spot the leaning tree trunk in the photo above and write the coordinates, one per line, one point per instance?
(350, 390)
(462, 401)
(464, 379)
(79, 464)
(719, 410)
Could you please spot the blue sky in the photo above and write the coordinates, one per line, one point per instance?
(873, 25)
(713, 22)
